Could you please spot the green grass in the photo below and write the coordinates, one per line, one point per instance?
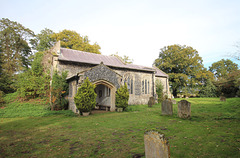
(32, 131)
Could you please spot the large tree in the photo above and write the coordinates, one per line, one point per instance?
(222, 68)
(226, 77)
(184, 67)
(73, 40)
(14, 39)
(43, 41)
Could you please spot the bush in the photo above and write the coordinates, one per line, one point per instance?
(2, 101)
(59, 91)
(209, 90)
(85, 98)
(159, 90)
(122, 97)
(33, 82)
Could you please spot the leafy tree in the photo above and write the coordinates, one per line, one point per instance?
(122, 97)
(14, 39)
(85, 98)
(183, 65)
(159, 91)
(33, 82)
(43, 41)
(125, 58)
(229, 85)
(59, 91)
(73, 40)
(208, 90)
(5, 79)
(222, 68)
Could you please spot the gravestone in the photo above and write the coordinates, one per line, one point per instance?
(222, 98)
(174, 101)
(167, 107)
(184, 109)
(156, 145)
(151, 102)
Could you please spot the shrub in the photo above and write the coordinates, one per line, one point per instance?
(85, 98)
(209, 90)
(33, 82)
(59, 91)
(122, 97)
(159, 90)
(2, 101)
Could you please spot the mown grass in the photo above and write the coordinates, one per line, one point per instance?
(213, 131)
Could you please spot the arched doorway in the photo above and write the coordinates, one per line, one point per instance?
(105, 94)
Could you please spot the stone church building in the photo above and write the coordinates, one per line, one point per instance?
(108, 73)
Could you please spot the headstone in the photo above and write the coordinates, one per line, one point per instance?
(184, 109)
(156, 145)
(174, 101)
(151, 102)
(222, 98)
(167, 107)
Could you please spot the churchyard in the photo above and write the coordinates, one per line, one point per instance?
(28, 129)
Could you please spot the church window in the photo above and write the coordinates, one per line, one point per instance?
(148, 87)
(70, 89)
(131, 92)
(145, 86)
(142, 87)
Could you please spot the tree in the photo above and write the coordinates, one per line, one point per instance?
(159, 91)
(222, 68)
(73, 40)
(85, 98)
(208, 89)
(122, 97)
(43, 41)
(125, 58)
(183, 65)
(33, 82)
(229, 85)
(59, 91)
(14, 39)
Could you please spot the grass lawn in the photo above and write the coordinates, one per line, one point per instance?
(29, 130)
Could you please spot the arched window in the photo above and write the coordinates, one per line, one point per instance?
(148, 88)
(142, 87)
(145, 86)
(131, 91)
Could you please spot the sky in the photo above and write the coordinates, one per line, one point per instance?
(137, 28)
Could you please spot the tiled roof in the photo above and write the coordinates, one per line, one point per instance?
(160, 73)
(92, 58)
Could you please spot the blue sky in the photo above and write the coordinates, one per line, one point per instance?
(137, 28)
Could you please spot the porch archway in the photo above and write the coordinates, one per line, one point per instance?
(105, 94)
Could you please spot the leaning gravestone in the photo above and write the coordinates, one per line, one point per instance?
(184, 109)
(222, 98)
(156, 145)
(151, 102)
(167, 107)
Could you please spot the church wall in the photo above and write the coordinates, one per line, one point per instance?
(141, 84)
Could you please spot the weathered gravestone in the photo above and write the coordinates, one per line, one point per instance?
(156, 145)
(151, 102)
(167, 107)
(184, 109)
(222, 98)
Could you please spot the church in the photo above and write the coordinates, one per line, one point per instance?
(108, 73)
